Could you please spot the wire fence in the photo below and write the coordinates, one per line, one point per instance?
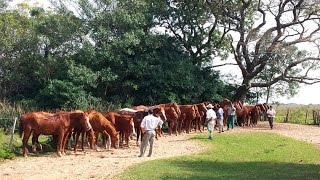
(8, 126)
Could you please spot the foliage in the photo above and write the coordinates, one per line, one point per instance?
(5, 151)
(195, 26)
(259, 155)
(8, 112)
(138, 52)
(265, 35)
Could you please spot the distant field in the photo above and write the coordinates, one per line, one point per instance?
(299, 114)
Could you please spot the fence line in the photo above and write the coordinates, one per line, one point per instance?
(292, 115)
(316, 117)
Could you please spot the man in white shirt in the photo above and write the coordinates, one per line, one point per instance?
(210, 118)
(148, 125)
(271, 113)
(219, 115)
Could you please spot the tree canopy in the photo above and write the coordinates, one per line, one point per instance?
(129, 52)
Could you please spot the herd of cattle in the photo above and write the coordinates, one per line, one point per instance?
(117, 127)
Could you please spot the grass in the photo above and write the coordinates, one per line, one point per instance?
(7, 152)
(299, 114)
(237, 156)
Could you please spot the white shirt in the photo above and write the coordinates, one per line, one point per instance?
(271, 113)
(150, 122)
(211, 114)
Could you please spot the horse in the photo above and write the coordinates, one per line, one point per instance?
(139, 112)
(202, 110)
(101, 125)
(188, 114)
(124, 125)
(224, 105)
(172, 112)
(59, 124)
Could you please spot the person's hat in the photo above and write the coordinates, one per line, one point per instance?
(210, 106)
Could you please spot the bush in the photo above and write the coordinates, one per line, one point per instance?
(6, 152)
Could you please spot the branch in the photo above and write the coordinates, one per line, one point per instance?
(287, 78)
(219, 65)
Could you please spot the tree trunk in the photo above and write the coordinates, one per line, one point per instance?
(241, 93)
(268, 94)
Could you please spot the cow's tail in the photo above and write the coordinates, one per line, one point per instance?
(20, 128)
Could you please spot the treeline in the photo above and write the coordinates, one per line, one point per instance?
(108, 54)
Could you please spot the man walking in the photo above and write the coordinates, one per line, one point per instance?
(148, 126)
(271, 113)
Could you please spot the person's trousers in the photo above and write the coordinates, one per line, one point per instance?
(220, 124)
(230, 121)
(210, 127)
(270, 119)
(148, 137)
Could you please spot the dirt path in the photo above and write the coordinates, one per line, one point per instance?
(106, 164)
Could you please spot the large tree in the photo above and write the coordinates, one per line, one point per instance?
(201, 33)
(263, 29)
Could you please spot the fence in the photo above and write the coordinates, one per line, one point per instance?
(9, 125)
(316, 116)
(300, 116)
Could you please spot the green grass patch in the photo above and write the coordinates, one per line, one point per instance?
(237, 156)
(299, 114)
(7, 152)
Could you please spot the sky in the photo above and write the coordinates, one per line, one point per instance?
(308, 94)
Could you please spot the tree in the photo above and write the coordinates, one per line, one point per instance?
(263, 29)
(141, 65)
(202, 34)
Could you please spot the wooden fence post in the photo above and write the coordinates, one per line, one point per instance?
(287, 116)
(305, 120)
(12, 132)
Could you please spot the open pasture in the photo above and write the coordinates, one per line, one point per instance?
(298, 114)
